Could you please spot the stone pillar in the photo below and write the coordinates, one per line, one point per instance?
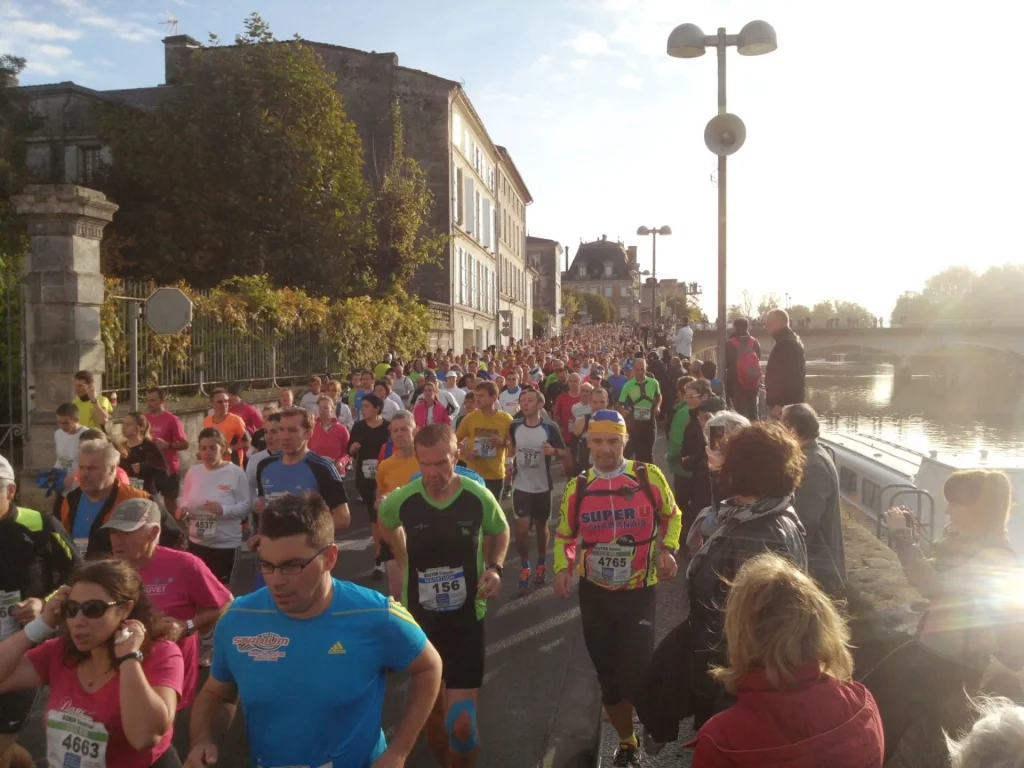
(64, 295)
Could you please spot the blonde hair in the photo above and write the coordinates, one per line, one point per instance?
(987, 494)
(778, 620)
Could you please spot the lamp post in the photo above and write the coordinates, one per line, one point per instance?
(654, 232)
(725, 132)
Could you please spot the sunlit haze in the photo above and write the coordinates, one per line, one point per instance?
(881, 136)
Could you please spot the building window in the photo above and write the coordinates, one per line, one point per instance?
(89, 162)
(582, 270)
(478, 209)
(457, 129)
(624, 291)
(457, 182)
(609, 291)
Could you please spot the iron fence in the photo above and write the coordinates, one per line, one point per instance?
(13, 392)
(214, 354)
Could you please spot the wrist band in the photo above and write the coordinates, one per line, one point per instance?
(38, 630)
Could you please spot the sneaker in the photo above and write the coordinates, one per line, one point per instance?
(378, 572)
(524, 579)
(542, 574)
(626, 756)
(652, 747)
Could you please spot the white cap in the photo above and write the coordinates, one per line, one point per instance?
(6, 470)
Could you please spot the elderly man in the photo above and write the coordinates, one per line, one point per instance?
(785, 374)
(85, 509)
(817, 502)
(177, 583)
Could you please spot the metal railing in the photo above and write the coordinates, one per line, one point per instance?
(215, 354)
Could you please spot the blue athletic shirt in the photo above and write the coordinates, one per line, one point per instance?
(313, 689)
(313, 473)
(86, 515)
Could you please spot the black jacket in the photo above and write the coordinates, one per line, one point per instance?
(708, 585)
(36, 553)
(787, 367)
(694, 458)
(817, 504)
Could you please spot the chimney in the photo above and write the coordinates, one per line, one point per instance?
(177, 51)
(631, 258)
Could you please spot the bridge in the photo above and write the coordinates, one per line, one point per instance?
(900, 343)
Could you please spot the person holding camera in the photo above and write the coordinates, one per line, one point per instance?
(115, 675)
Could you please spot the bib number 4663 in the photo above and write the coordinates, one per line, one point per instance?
(80, 746)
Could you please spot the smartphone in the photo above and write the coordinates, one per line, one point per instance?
(84, 398)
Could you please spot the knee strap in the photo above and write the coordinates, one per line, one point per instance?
(469, 707)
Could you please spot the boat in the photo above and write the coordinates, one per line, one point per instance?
(876, 474)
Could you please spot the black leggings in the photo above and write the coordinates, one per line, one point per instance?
(220, 561)
(912, 683)
(168, 759)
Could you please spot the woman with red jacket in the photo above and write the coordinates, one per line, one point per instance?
(790, 670)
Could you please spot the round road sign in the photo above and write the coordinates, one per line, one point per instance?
(168, 310)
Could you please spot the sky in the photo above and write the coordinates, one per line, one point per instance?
(882, 136)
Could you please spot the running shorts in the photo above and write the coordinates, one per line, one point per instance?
(15, 707)
(535, 506)
(462, 650)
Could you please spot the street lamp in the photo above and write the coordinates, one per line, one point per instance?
(654, 232)
(725, 133)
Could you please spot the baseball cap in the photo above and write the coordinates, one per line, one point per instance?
(132, 514)
(711, 405)
(451, 374)
(6, 470)
(429, 374)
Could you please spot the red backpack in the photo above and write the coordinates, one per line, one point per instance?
(748, 367)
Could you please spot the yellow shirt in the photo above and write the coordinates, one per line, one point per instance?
(478, 428)
(394, 472)
(86, 417)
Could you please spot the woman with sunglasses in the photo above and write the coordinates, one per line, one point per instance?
(114, 674)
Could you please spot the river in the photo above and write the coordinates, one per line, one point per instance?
(920, 413)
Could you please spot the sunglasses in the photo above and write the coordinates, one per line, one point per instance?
(93, 609)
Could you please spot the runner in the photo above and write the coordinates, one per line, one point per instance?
(618, 509)
(430, 410)
(450, 527)
(311, 395)
(341, 410)
(402, 385)
(248, 413)
(383, 368)
(232, 427)
(578, 443)
(508, 400)
(141, 458)
(355, 397)
(215, 500)
(296, 469)
(307, 658)
(640, 403)
(66, 440)
(177, 583)
(36, 557)
(271, 432)
(392, 473)
(452, 387)
(330, 437)
(534, 442)
(169, 436)
(392, 404)
(94, 409)
(484, 432)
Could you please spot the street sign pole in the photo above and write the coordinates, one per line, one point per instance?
(133, 353)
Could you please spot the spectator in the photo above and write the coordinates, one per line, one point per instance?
(996, 740)
(817, 502)
(684, 339)
(246, 412)
(790, 669)
(719, 426)
(676, 430)
(787, 365)
(693, 457)
(709, 371)
(761, 468)
(971, 580)
(742, 390)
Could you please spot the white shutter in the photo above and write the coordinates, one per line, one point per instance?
(471, 223)
(486, 224)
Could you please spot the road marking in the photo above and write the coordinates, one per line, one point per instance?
(354, 545)
(551, 646)
(521, 602)
(526, 634)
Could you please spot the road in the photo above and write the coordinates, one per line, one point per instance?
(530, 644)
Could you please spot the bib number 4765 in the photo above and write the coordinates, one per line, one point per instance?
(613, 562)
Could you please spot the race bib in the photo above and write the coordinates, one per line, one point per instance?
(530, 458)
(442, 589)
(8, 624)
(82, 545)
(641, 413)
(74, 739)
(484, 449)
(137, 482)
(610, 564)
(204, 527)
(65, 463)
(370, 469)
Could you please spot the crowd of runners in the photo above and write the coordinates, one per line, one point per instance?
(116, 596)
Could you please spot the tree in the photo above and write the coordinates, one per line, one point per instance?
(735, 313)
(598, 307)
(16, 124)
(571, 305)
(401, 238)
(249, 166)
(747, 304)
(769, 302)
(799, 312)
(682, 306)
(952, 283)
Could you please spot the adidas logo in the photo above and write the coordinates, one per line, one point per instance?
(336, 649)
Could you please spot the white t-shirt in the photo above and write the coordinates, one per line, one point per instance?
(458, 394)
(684, 341)
(67, 449)
(228, 486)
(344, 413)
(404, 388)
(389, 409)
(447, 397)
(308, 401)
(579, 410)
(509, 401)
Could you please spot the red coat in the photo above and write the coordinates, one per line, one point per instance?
(820, 721)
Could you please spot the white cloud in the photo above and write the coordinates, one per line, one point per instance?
(588, 42)
(132, 31)
(543, 62)
(53, 51)
(41, 68)
(103, 62)
(580, 65)
(23, 29)
(630, 81)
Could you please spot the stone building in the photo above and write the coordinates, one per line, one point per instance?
(545, 256)
(608, 268)
(443, 133)
(515, 276)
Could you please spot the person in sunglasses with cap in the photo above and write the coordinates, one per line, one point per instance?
(36, 557)
(177, 583)
(115, 676)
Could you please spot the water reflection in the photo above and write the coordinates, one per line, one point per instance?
(977, 412)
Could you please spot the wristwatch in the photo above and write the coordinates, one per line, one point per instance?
(119, 660)
(497, 569)
(190, 627)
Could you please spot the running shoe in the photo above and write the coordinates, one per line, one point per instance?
(627, 756)
(542, 573)
(524, 579)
